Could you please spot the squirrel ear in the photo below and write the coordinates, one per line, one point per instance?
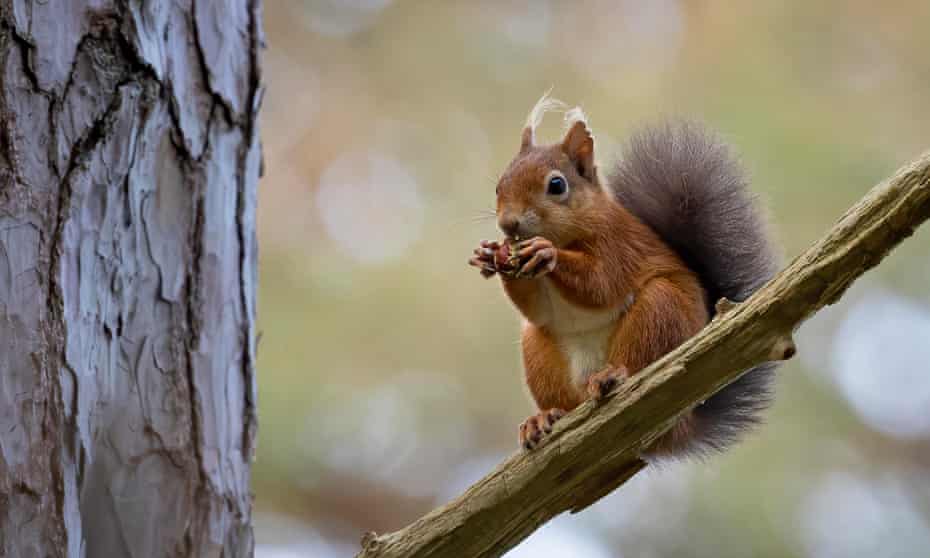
(526, 139)
(579, 146)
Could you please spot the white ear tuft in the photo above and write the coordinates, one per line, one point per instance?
(543, 105)
(576, 115)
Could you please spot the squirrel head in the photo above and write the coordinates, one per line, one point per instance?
(551, 190)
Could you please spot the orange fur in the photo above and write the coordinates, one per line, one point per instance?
(545, 369)
(667, 311)
(612, 274)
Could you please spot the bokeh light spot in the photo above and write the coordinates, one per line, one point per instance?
(340, 18)
(881, 359)
(849, 517)
(370, 206)
(393, 439)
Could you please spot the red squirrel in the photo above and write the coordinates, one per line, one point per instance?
(609, 276)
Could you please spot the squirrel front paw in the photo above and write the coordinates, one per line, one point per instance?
(537, 426)
(603, 382)
(485, 257)
(492, 257)
(538, 257)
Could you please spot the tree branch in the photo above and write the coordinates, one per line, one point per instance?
(594, 449)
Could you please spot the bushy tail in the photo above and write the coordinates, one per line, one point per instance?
(686, 185)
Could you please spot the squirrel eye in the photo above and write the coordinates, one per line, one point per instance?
(497, 190)
(556, 186)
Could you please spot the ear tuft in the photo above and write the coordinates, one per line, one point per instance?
(578, 143)
(543, 105)
(573, 115)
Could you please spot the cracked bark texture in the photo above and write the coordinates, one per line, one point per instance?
(129, 159)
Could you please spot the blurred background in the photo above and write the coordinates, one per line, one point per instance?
(389, 371)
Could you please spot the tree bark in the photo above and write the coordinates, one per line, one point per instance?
(596, 448)
(129, 159)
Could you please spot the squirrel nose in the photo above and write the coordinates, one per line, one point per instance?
(510, 225)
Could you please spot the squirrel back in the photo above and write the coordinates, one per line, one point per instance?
(687, 186)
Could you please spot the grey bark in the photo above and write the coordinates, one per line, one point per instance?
(129, 159)
(596, 448)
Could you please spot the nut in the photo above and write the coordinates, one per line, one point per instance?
(506, 260)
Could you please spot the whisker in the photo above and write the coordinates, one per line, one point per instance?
(482, 216)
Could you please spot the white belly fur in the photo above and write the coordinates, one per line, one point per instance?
(582, 334)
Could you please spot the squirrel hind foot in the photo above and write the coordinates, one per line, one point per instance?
(600, 384)
(536, 427)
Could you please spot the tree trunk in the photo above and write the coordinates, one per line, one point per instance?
(129, 157)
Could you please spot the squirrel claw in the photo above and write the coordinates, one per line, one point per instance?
(483, 258)
(539, 257)
(602, 383)
(535, 428)
(486, 269)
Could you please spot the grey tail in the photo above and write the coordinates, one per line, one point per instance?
(685, 184)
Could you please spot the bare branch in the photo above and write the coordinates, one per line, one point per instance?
(594, 449)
